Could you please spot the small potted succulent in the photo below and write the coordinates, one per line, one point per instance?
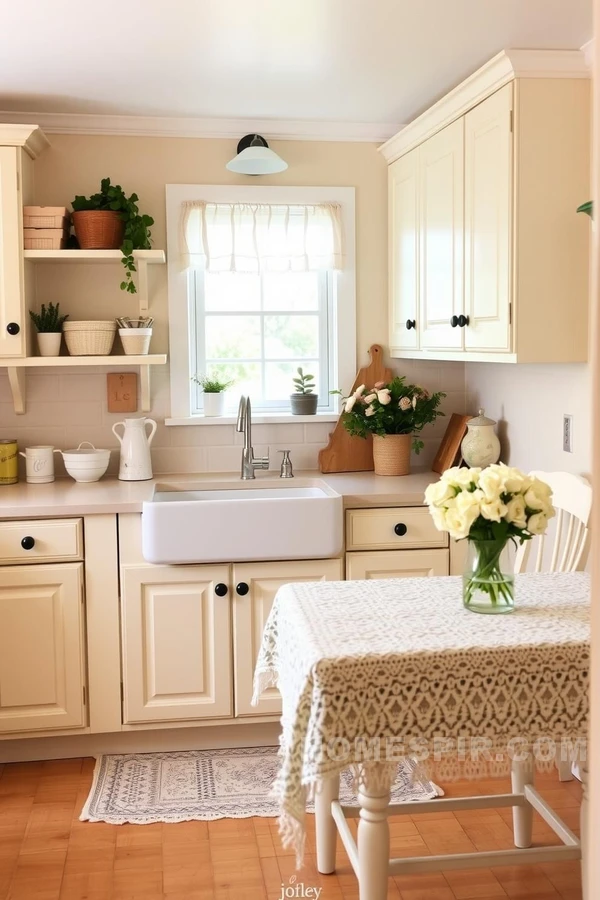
(304, 401)
(214, 393)
(49, 325)
(110, 220)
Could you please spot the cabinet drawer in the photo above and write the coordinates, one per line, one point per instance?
(396, 564)
(56, 540)
(394, 528)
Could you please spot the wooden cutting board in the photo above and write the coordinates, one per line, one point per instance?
(345, 453)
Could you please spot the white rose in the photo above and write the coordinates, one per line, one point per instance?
(404, 404)
(384, 396)
(438, 493)
(493, 510)
(538, 496)
(491, 482)
(468, 504)
(537, 523)
(515, 511)
(369, 411)
(458, 524)
(349, 403)
(359, 391)
(439, 518)
(461, 477)
(515, 481)
(370, 398)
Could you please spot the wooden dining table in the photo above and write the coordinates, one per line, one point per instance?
(374, 671)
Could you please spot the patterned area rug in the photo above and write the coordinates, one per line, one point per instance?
(141, 788)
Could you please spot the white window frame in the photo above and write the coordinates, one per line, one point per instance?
(181, 312)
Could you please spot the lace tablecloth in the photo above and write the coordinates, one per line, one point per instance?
(370, 671)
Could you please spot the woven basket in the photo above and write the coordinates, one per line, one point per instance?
(391, 454)
(98, 229)
(89, 338)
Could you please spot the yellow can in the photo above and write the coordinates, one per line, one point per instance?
(9, 472)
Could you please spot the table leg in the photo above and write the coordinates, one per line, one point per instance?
(522, 774)
(584, 838)
(373, 838)
(326, 830)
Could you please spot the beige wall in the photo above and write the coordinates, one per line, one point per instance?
(69, 407)
(529, 402)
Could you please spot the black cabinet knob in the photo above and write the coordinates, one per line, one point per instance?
(28, 543)
(463, 320)
(221, 590)
(13, 328)
(400, 529)
(411, 323)
(454, 321)
(242, 588)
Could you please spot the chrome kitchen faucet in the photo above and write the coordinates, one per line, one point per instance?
(244, 423)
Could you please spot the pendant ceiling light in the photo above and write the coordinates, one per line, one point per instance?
(254, 157)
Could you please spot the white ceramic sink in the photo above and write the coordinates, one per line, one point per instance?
(242, 521)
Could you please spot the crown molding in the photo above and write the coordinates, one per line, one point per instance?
(29, 137)
(500, 70)
(164, 126)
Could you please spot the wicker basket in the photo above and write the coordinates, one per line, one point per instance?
(45, 238)
(45, 217)
(98, 229)
(391, 454)
(89, 338)
(136, 341)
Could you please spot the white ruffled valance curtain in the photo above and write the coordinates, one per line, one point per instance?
(260, 237)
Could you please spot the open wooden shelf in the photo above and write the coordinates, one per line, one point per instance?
(143, 259)
(17, 368)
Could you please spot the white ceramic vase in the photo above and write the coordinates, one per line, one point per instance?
(480, 446)
(49, 343)
(214, 404)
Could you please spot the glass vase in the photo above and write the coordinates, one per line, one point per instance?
(488, 580)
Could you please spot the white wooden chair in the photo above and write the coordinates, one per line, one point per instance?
(572, 499)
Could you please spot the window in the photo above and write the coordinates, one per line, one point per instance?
(284, 310)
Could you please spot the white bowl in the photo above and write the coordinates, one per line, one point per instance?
(87, 464)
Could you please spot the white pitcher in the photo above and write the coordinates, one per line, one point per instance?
(136, 464)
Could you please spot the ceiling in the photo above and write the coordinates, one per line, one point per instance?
(368, 61)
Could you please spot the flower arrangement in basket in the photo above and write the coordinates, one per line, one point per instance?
(395, 414)
(489, 508)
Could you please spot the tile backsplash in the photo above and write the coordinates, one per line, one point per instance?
(69, 406)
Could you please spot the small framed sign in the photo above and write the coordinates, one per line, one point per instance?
(122, 392)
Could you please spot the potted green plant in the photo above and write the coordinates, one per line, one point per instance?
(394, 414)
(49, 323)
(110, 220)
(304, 401)
(214, 393)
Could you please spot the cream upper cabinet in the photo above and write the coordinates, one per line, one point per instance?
(503, 257)
(441, 230)
(488, 207)
(255, 586)
(403, 206)
(14, 325)
(41, 648)
(176, 643)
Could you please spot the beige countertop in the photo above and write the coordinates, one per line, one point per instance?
(65, 497)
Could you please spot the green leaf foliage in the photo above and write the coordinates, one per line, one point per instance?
(48, 320)
(211, 384)
(137, 225)
(305, 383)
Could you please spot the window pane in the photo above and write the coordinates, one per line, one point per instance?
(246, 377)
(230, 291)
(291, 336)
(294, 291)
(232, 337)
(278, 377)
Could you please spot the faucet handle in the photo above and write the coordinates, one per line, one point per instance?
(287, 470)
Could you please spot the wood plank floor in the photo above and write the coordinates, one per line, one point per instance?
(47, 854)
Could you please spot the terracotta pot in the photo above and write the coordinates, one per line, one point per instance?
(391, 454)
(98, 229)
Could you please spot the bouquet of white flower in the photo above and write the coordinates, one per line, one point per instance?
(489, 507)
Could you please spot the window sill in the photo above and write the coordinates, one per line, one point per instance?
(278, 418)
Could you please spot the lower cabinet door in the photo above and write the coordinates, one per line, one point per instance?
(255, 586)
(176, 643)
(41, 647)
(397, 564)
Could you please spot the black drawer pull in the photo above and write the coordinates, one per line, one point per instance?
(400, 529)
(28, 543)
(242, 588)
(221, 589)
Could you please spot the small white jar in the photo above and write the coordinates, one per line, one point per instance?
(480, 446)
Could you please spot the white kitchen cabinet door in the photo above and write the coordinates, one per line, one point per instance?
(12, 304)
(441, 230)
(255, 586)
(176, 643)
(403, 203)
(397, 564)
(488, 210)
(41, 647)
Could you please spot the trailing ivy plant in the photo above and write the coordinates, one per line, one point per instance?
(136, 236)
(48, 320)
